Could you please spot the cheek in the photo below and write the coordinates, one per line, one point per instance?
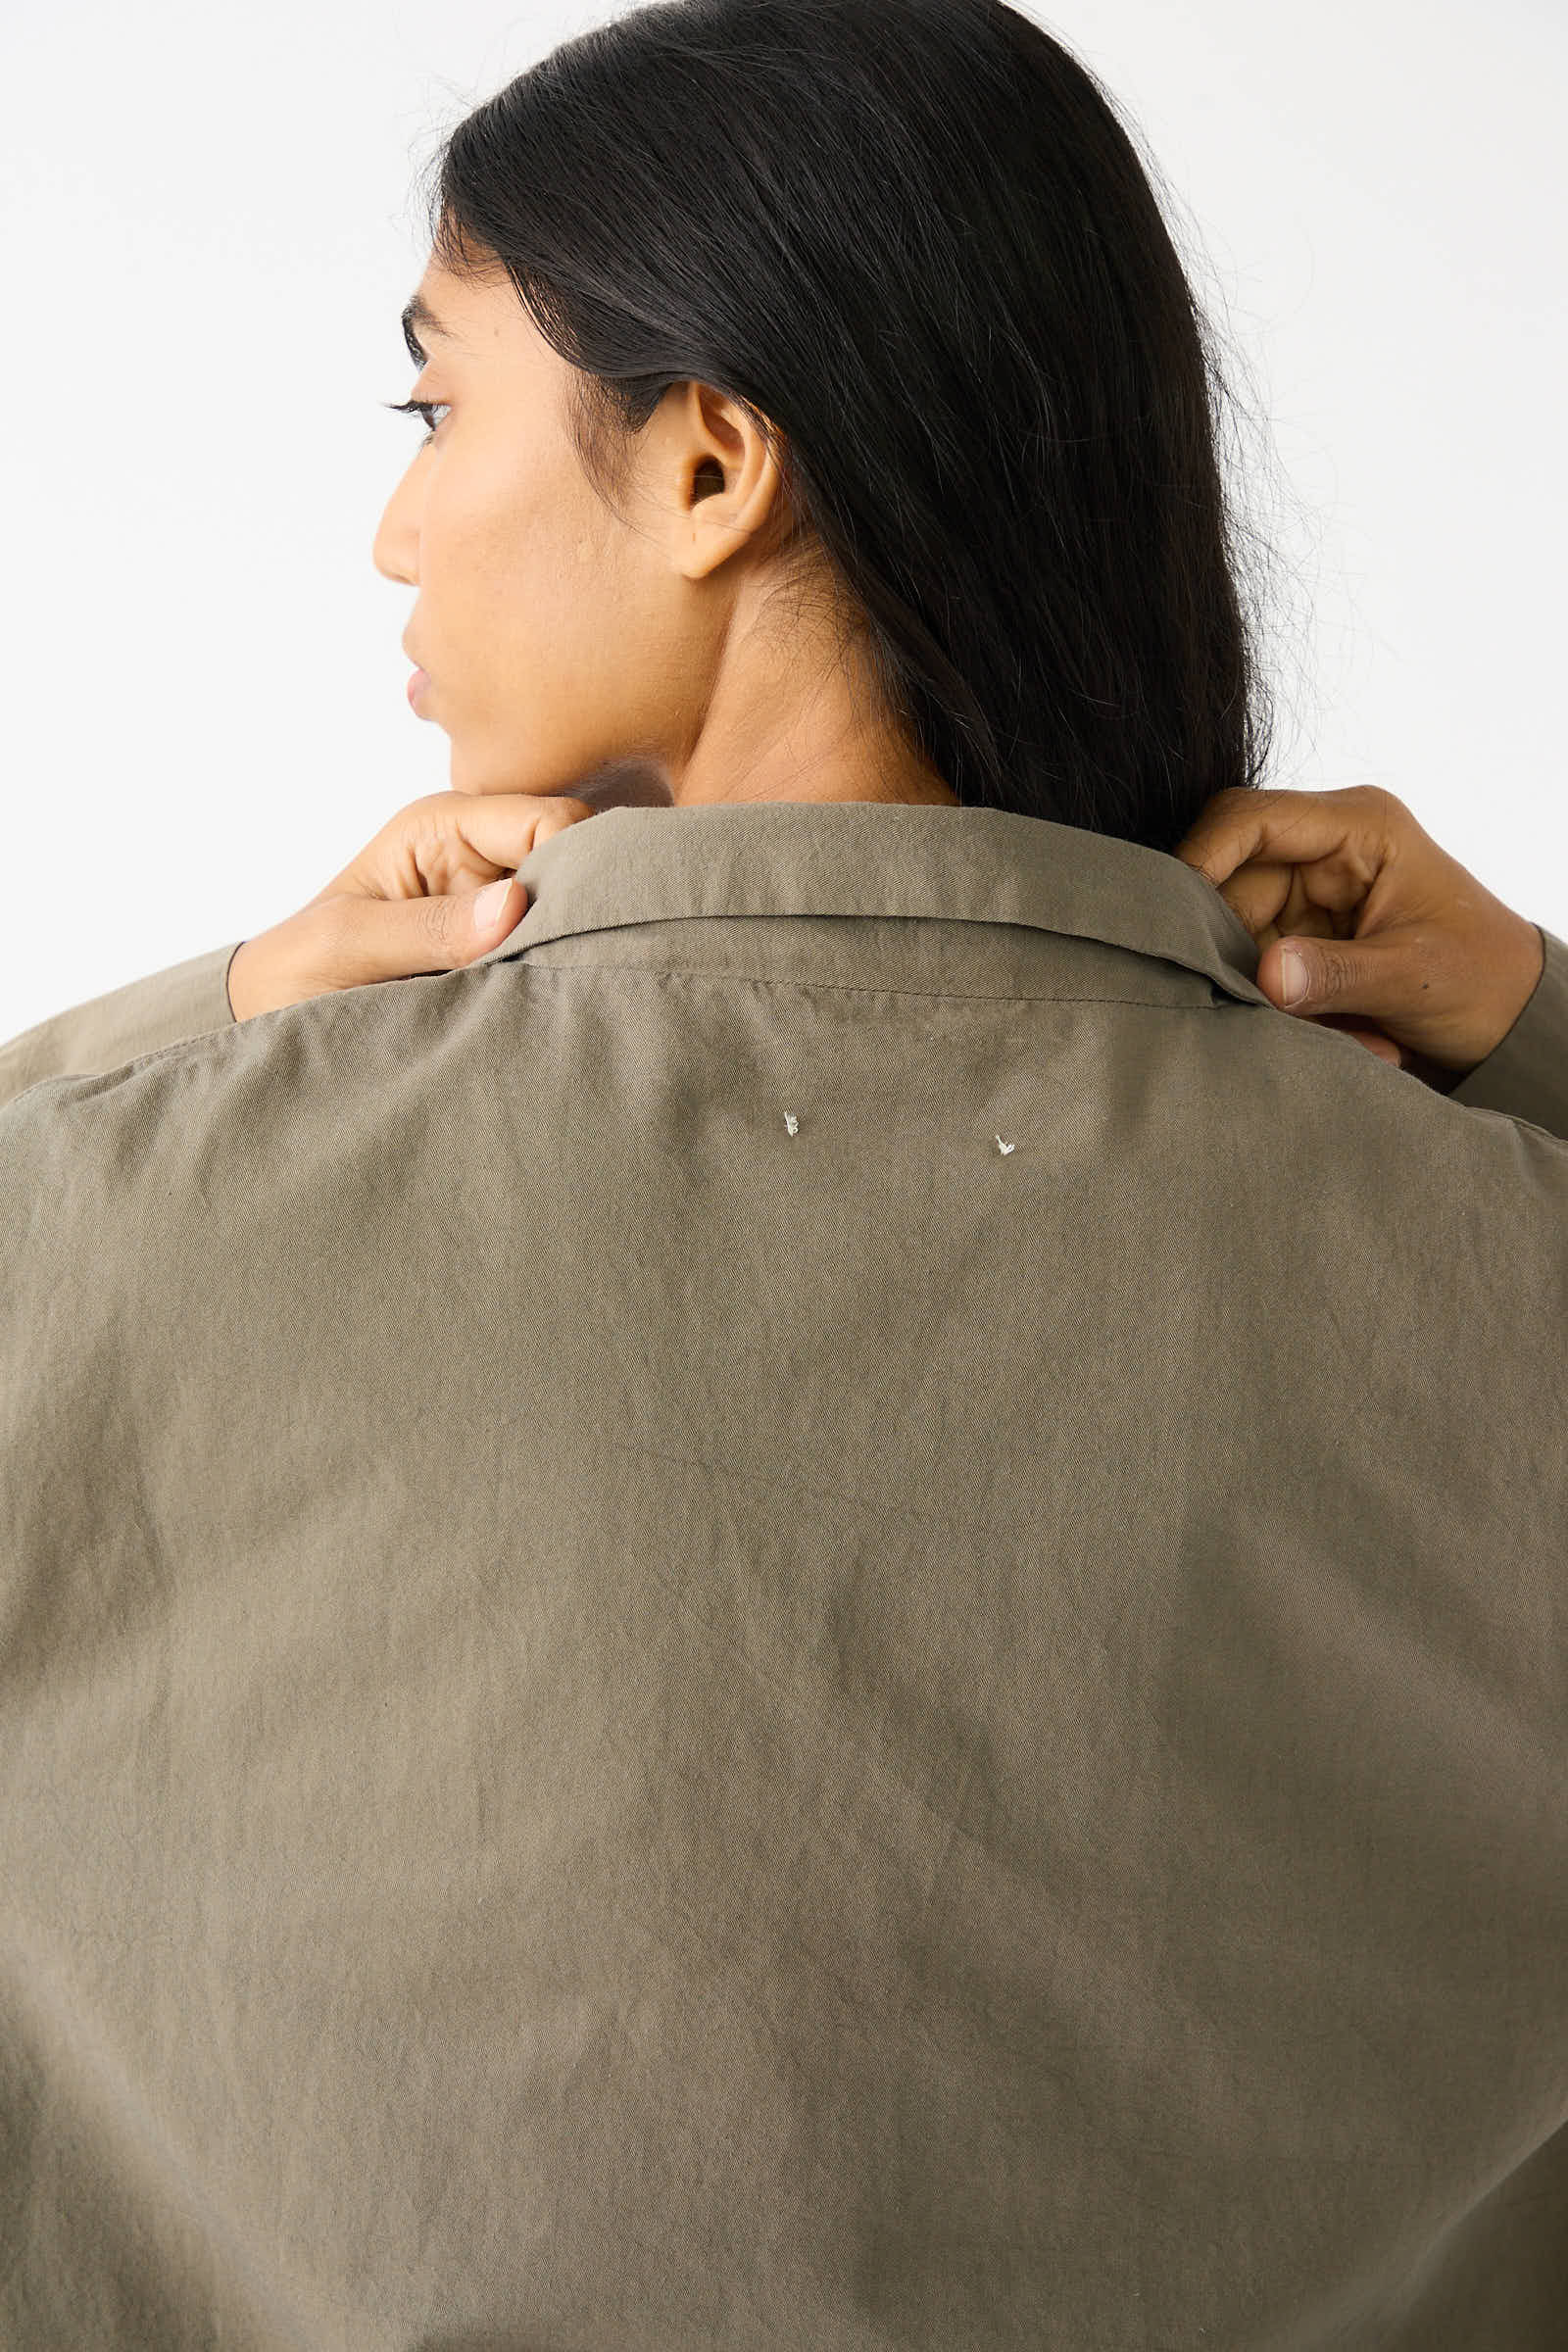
(521, 559)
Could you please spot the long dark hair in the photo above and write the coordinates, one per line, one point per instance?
(915, 240)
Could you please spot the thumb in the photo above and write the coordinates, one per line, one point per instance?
(1329, 980)
(467, 925)
(457, 926)
(490, 914)
(355, 937)
(1326, 975)
(1295, 982)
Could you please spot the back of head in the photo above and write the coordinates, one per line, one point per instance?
(914, 238)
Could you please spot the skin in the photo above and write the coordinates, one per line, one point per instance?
(571, 650)
(581, 655)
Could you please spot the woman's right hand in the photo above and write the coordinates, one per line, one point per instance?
(412, 900)
(1403, 947)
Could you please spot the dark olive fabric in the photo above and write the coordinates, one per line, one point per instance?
(828, 1610)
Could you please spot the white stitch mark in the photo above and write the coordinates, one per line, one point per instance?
(791, 1122)
(1005, 1148)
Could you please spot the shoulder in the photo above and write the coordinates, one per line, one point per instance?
(124, 1024)
(231, 1116)
(1333, 1150)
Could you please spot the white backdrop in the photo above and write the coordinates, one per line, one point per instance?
(210, 227)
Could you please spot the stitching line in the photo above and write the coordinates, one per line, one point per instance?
(855, 988)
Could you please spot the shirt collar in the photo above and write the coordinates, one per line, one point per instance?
(878, 858)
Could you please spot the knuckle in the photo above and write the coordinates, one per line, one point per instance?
(1222, 809)
(558, 816)
(419, 815)
(448, 924)
(1384, 804)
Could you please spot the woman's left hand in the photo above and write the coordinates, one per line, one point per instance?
(416, 900)
(1399, 946)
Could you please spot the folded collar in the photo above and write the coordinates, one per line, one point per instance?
(878, 858)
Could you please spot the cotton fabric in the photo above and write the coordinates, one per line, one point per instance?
(826, 1610)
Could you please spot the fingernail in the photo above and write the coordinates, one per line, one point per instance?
(1292, 977)
(489, 902)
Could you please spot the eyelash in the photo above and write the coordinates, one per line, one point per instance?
(418, 407)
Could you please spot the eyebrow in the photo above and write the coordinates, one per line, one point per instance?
(417, 313)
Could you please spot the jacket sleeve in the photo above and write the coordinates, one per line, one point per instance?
(1526, 1074)
(184, 1000)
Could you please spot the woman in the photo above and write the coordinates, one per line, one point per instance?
(759, 544)
(820, 1604)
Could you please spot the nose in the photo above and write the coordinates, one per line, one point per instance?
(395, 548)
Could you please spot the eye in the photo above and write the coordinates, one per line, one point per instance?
(418, 407)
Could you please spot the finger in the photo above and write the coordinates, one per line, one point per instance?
(1271, 899)
(490, 914)
(502, 828)
(1348, 829)
(1373, 976)
(358, 940)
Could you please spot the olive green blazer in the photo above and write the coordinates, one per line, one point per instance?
(829, 1610)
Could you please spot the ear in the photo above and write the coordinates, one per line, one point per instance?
(730, 489)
